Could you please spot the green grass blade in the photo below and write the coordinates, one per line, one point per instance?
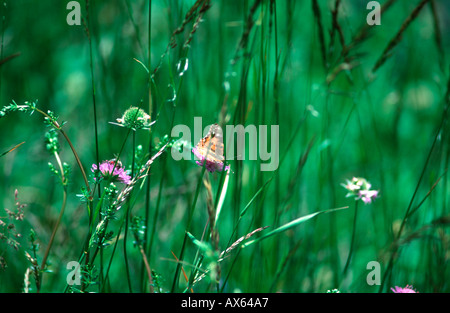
(290, 225)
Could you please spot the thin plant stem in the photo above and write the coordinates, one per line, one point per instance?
(156, 213)
(112, 255)
(147, 267)
(58, 221)
(410, 209)
(188, 227)
(127, 217)
(352, 242)
(91, 66)
(59, 128)
(150, 135)
(125, 256)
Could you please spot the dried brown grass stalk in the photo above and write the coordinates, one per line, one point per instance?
(10, 57)
(363, 33)
(317, 15)
(26, 280)
(398, 37)
(437, 34)
(196, 12)
(238, 242)
(142, 173)
(336, 27)
(243, 42)
(443, 221)
(228, 250)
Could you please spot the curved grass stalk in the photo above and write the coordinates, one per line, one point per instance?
(61, 213)
(32, 108)
(122, 199)
(191, 214)
(352, 243)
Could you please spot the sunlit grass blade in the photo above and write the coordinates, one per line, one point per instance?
(222, 195)
(223, 254)
(244, 210)
(290, 225)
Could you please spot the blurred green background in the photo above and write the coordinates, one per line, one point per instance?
(388, 126)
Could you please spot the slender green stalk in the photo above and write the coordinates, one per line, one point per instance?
(91, 67)
(398, 36)
(410, 209)
(119, 232)
(125, 255)
(1, 45)
(188, 227)
(352, 242)
(55, 124)
(156, 213)
(127, 217)
(58, 221)
(276, 94)
(290, 225)
(152, 113)
(241, 215)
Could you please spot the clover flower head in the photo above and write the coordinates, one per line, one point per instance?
(112, 170)
(367, 195)
(407, 289)
(360, 189)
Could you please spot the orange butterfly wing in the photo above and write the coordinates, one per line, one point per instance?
(211, 146)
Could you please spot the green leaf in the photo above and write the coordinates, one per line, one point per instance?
(290, 225)
(203, 246)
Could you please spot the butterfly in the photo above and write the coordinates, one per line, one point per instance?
(115, 163)
(210, 148)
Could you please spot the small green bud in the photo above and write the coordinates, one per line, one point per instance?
(51, 140)
(135, 118)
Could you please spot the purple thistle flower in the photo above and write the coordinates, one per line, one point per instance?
(407, 289)
(112, 170)
(212, 164)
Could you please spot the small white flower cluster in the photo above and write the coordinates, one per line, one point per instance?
(360, 189)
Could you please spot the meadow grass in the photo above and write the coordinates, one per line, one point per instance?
(350, 100)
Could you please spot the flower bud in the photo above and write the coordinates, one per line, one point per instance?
(135, 118)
